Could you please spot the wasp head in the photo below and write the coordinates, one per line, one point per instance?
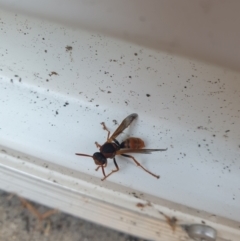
(99, 158)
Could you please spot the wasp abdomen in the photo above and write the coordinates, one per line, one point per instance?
(133, 143)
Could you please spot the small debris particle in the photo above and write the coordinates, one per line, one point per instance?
(202, 128)
(11, 80)
(20, 79)
(65, 104)
(45, 51)
(148, 95)
(35, 212)
(115, 122)
(135, 195)
(68, 48)
(140, 205)
(109, 92)
(172, 222)
(47, 80)
(56, 112)
(135, 54)
(53, 73)
(227, 131)
(129, 76)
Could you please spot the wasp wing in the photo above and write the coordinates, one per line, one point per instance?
(141, 151)
(125, 123)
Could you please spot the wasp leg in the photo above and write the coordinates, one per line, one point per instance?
(117, 169)
(138, 164)
(101, 166)
(106, 129)
(98, 145)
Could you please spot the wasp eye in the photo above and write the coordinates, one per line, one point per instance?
(99, 158)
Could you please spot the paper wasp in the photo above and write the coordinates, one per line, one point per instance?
(112, 148)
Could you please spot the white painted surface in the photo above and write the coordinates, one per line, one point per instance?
(202, 29)
(193, 109)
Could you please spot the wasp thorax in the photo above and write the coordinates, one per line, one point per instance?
(99, 158)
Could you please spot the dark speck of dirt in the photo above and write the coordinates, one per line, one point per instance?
(148, 95)
(45, 51)
(130, 76)
(66, 103)
(56, 112)
(20, 79)
(109, 92)
(227, 131)
(68, 48)
(47, 80)
(11, 80)
(115, 122)
(135, 195)
(135, 54)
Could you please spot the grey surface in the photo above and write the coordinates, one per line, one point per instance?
(18, 223)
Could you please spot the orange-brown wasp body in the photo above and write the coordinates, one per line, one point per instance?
(112, 147)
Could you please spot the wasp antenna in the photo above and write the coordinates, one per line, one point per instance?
(80, 154)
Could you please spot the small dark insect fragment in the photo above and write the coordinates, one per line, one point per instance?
(53, 73)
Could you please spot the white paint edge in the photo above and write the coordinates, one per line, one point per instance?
(105, 206)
